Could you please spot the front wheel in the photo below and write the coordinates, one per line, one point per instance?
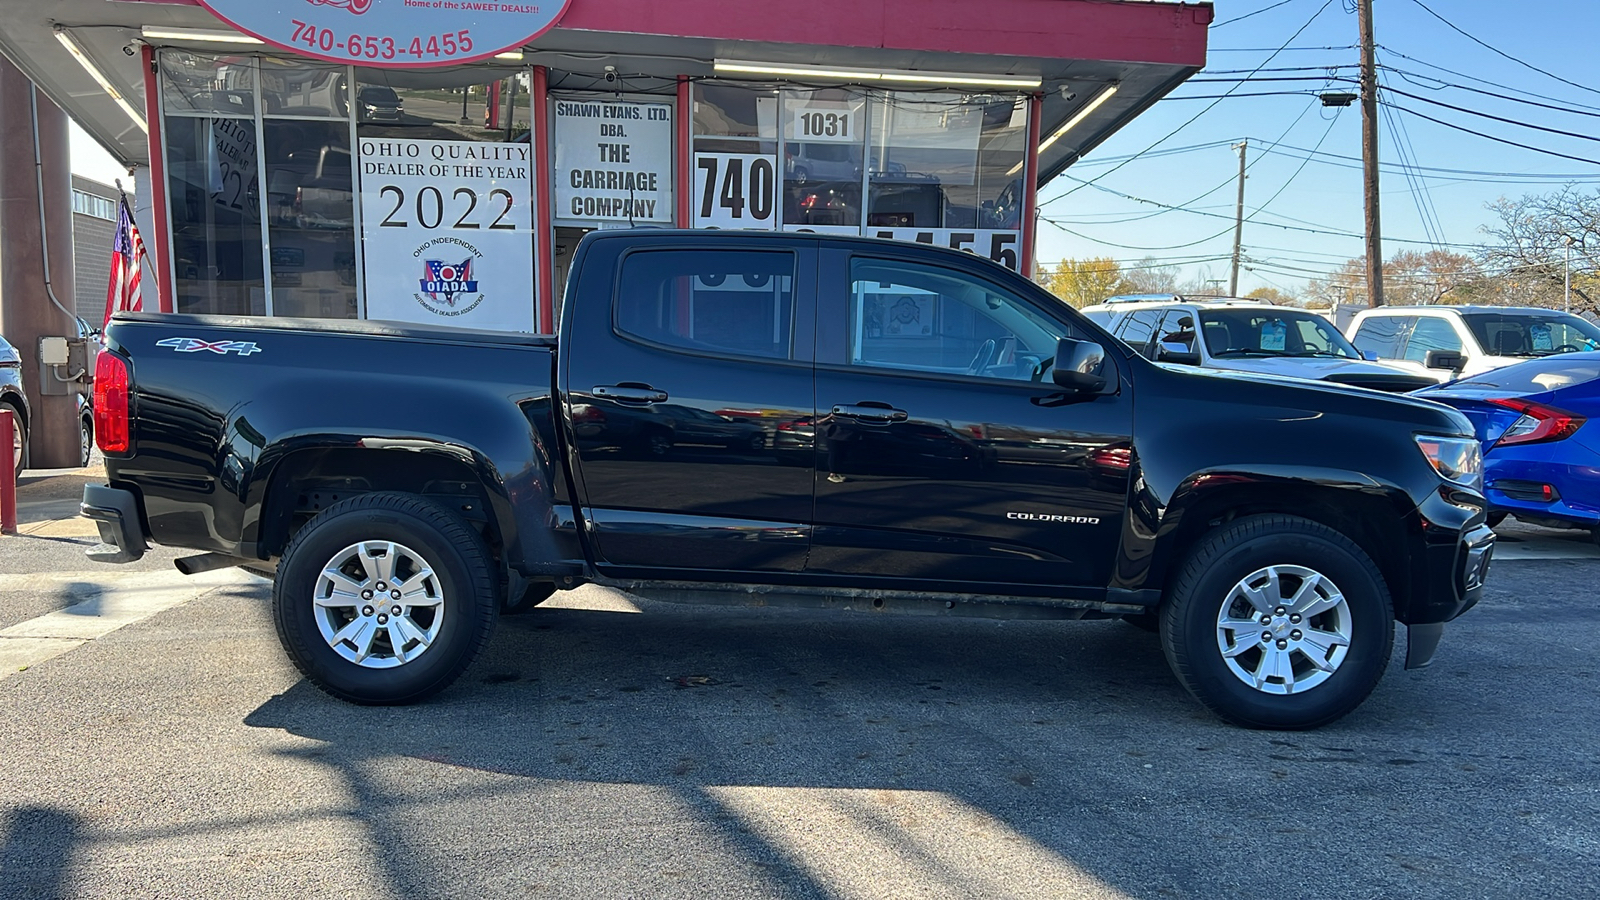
(1278, 622)
(384, 598)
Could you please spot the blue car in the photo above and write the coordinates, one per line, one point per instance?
(1541, 452)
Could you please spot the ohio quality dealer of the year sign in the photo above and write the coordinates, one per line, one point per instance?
(392, 33)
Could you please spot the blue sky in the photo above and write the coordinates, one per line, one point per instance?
(1324, 195)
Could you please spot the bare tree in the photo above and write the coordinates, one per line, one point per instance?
(1534, 232)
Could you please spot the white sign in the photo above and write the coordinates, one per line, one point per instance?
(447, 228)
(1000, 246)
(393, 33)
(613, 162)
(822, 121)
(735, 190)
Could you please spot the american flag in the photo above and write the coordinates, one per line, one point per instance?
(127, 248)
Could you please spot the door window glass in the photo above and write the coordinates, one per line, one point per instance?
(1430, 333)
(1513, 334)
(738, 302)
(1380, 336)
(927, 319)
(1177, 327)
(1138, 328)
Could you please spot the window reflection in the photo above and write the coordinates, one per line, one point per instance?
(311, 218)
(216, 225)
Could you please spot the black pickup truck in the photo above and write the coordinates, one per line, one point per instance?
(790, 418)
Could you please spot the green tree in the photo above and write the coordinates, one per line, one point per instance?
(1085, 282)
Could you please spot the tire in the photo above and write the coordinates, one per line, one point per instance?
(535, 594)
(1348, 604)
(19, 450)
(385, 537)
(656, 443)
(1495, 518)
(85, 441)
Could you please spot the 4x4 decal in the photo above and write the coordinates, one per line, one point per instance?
(195, 345)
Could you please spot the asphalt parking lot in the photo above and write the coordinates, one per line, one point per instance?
(158, 744)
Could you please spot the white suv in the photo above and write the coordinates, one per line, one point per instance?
(1467, 340)
(1246, 336)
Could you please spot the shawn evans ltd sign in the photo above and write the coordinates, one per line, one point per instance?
(392, 33)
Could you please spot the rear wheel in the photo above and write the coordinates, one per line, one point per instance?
(19, 440)
(384, 598)
(1278, 622)
(85, 440)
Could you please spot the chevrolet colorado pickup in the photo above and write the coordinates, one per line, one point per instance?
(790, 418)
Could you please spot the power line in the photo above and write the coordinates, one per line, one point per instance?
(1442, 84)
(1489, 137)
(1457, 29)
(1484, 115)
(1474, 78)
(1256, 13)
(1209, 107)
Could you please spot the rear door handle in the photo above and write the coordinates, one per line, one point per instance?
(870, 413)
(630, 393)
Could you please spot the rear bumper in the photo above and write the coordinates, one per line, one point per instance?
(116, 513)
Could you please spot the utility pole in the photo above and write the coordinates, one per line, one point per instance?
(1369, 155)
(1238, 222)
(1566, 292)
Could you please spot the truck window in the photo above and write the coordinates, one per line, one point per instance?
(1541, 334)
(1380, 336)
(1431, 333)
(1138, 328)
(924, 318)
(738, 302)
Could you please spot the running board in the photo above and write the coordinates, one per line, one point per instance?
(988, 606)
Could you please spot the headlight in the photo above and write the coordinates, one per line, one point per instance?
(1457, 460)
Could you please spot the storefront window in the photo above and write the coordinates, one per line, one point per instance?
(215, 211)
(316, 90)
(824, 141)
(735, 165)
(197, 83)
(310, 218)
(947, 160)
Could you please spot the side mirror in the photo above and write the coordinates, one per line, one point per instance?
(1176, 352)
(1076, 365)
(1369, 355)
(1445, 359)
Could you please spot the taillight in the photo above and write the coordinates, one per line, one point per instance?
(111, 403)
(1538, 423)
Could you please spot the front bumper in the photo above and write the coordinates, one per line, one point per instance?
(116, 513)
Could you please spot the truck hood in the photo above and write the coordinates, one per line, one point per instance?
(1289, 392)
(1355, 372)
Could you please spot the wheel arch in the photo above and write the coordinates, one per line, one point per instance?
(1372, 516)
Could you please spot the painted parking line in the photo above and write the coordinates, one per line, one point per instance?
(109, 602)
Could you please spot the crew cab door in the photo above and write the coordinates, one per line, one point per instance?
(946, 457)
(682, 362)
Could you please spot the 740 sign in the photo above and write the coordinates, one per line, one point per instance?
(735, 190)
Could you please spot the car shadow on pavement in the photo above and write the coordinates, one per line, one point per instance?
(37, 853)
(811, 755)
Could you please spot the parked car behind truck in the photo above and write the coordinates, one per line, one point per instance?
(971, 445)
(1462, 341)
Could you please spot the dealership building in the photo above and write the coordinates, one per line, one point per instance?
(439, 160)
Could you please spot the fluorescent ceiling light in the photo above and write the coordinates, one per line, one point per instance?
(1078, 117)
(196, 34)
(71, 44)
(901, 76)
(514, 55)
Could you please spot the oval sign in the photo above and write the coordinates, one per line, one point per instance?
(398, 34)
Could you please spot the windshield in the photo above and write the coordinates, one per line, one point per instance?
(379, 94)
(1258, 332)
(1512, 334)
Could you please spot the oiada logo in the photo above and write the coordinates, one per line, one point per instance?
(355, 6)
(449, 279)
(447, 287)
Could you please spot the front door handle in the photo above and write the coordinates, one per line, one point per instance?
(867, 413)
(630, 392)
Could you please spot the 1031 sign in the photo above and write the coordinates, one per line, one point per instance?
(735, 190)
